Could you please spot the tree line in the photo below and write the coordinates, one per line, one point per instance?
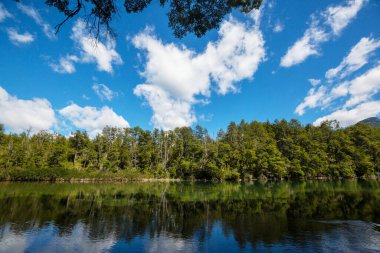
(279, 150)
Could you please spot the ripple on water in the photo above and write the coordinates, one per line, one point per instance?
(351, 236)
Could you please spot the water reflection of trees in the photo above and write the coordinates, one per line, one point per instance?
(250, 212)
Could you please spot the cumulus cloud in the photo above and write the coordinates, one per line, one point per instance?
(35, 15)
(357, 58)
(4, 14)
(168, 112)
(90, 51)
(94, 51)
(65, 64)
(103, 92)
(37, 114)
(91, 119)
(19, 38)
(19, 114)
(348, 117)
(176, 78)
(236, 56)
(324, 26)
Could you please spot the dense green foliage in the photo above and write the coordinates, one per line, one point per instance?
(244, 151)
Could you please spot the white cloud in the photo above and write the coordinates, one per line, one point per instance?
(90, 51)
(19, 38)
(168, 112)
(312, 100)
(103, 92)
(324, 26)
(4, 14)
(348, 93)
(305, 46)
(35, 15)
(19, 115)
(172, 68)
(94, 51)
(91, 119)
(314, 82)
(278, 27)
(351, 98)
(357, 58)
(348, 117)
(364, 87)
(65, 64)
(338, 17)
(176, 77)
(236, 56)
(338, 91)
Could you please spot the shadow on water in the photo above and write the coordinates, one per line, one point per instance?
(341, 216)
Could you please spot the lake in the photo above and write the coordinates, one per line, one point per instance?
(305, 216)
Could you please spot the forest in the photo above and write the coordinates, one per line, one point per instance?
(244, 151)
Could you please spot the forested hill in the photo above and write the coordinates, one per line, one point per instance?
(244, 151)
(373, 121)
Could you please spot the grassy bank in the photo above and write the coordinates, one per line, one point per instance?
(74, 175)
(60, 174)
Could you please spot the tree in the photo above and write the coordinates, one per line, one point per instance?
(190, 16)
(1, 131)
(79, 144)
(57, 157)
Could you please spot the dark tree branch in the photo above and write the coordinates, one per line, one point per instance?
(185, 16)
(70, 14)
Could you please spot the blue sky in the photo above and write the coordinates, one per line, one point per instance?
(309, 60)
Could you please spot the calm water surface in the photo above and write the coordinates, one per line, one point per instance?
(191, 217)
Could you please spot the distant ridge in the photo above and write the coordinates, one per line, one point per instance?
(372, 121)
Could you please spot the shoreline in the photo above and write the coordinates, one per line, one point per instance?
(170, 180)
